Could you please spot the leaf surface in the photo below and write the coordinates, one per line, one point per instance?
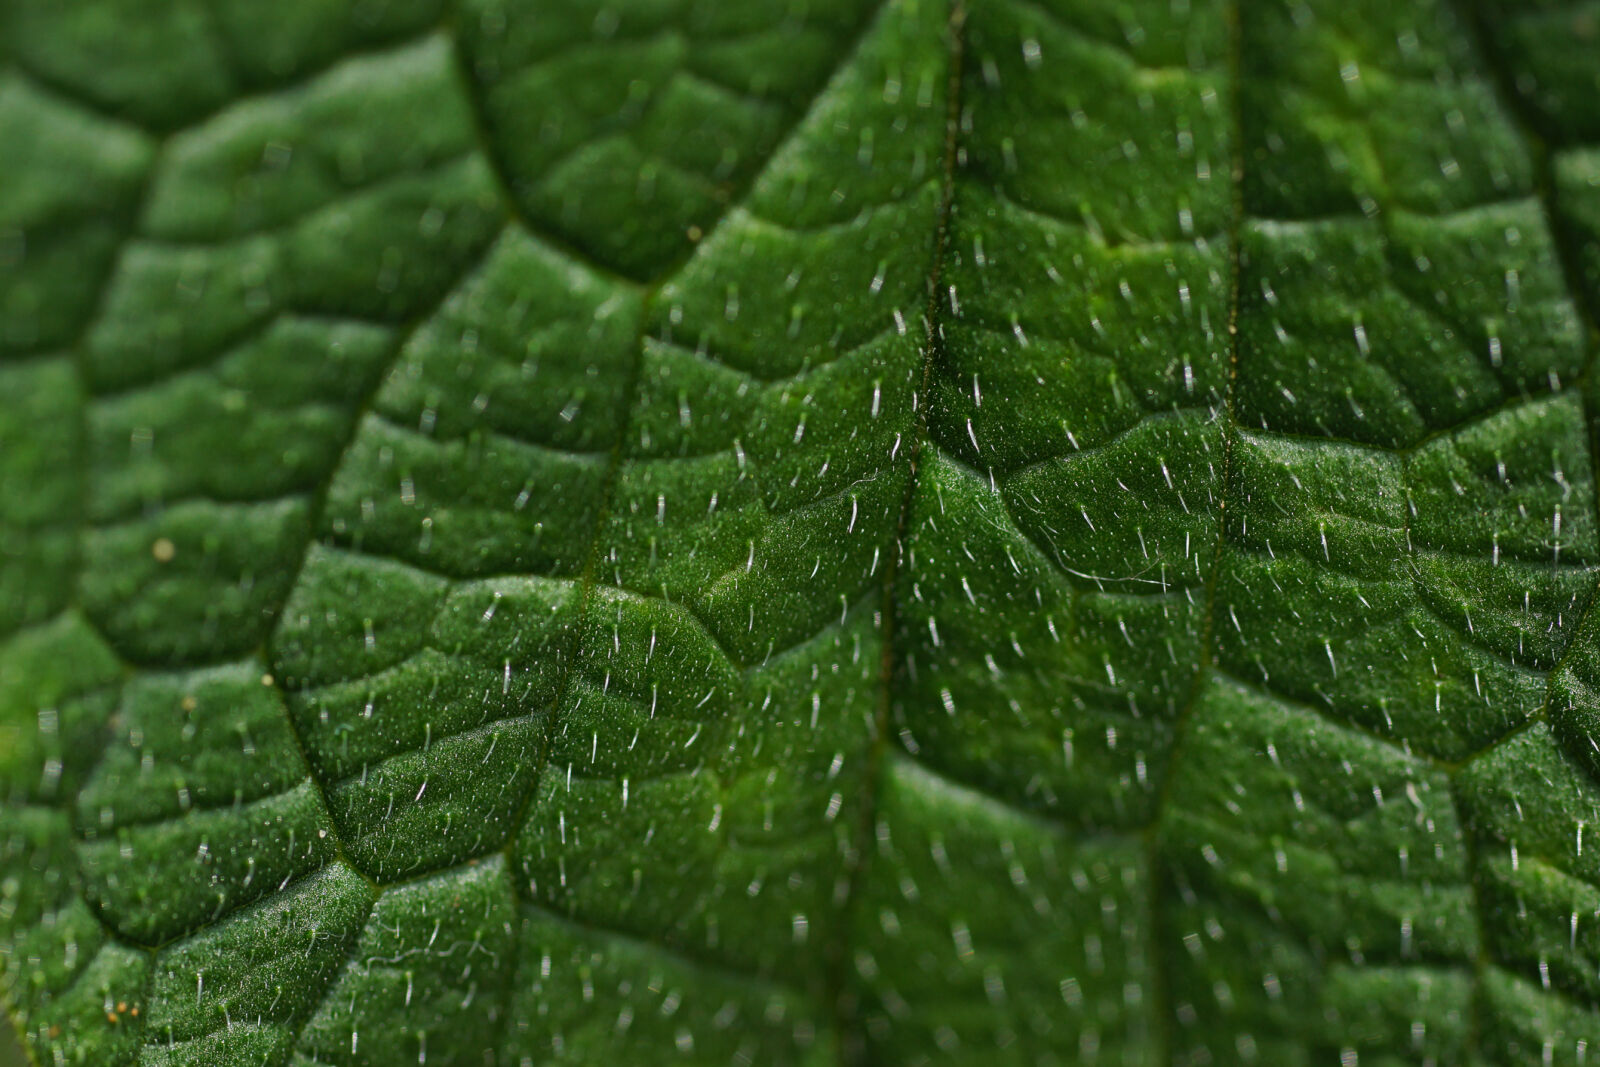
(641, 532)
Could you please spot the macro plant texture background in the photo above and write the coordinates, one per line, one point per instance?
(800, 531)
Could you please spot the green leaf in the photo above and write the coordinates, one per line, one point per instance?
(661, 531)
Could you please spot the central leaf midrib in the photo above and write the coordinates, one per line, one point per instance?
(1160, 938)
(877, 750)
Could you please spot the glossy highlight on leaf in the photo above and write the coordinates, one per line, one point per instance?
(802, 532)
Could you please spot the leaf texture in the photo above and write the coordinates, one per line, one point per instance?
(659, 531)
